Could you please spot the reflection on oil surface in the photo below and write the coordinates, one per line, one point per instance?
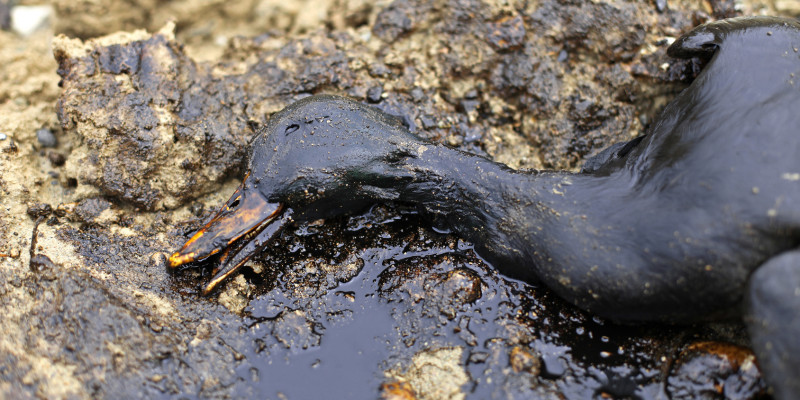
(354, 306)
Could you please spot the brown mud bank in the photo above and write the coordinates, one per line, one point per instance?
(116, 149)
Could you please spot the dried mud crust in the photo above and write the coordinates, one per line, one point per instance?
(154, 130)
(150, 130)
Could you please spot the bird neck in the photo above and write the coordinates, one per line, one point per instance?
(504, 212)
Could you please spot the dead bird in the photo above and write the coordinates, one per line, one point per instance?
(697, 219)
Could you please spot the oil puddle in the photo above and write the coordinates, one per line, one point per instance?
(345, 360)
(349, 307)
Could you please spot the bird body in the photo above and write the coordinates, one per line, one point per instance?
(668, 227)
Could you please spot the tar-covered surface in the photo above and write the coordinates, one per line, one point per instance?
(343, 309)
(376, 304)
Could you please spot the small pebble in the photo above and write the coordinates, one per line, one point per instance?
(553, 366)
(523, 359)
(397, 390)
(26, 20)
(56, 159)
(46, 137)
(64, 209)
(3, 136)
(478, 357)
(88, 210)
(374, 94)
(39, 210)
(428, 121)
(379, 70)
(11, 148)
(417, 94)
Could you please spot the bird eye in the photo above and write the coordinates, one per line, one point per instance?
(235, 203)
(291, 128)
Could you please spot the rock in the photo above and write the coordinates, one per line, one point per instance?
(396, 20)
(88, 211)
(56, 159)
(39, 210)
(507, 33)
(46, 137)
(523, 360)
(25, 20)
(397, 391)
(714, 369)
(374, 94)
(434, 374)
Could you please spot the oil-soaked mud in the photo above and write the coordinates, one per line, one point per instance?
(364, 314)
(102, 177)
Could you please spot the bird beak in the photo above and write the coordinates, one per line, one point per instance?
(242, 227)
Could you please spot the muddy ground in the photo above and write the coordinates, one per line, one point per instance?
(123, 126)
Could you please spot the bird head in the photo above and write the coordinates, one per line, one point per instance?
(319, 157)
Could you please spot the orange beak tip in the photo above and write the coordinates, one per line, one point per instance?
(178, 259)
(210, 286)
(208, 289)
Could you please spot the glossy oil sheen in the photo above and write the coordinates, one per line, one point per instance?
(670, 230)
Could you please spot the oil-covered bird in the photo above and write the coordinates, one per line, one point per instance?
(699, 218)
